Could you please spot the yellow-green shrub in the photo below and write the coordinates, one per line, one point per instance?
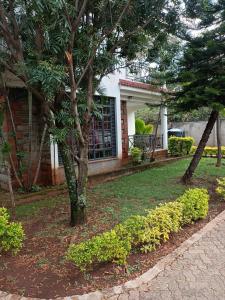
(144, 232)
(209, 151)
(162, 221)
(11, 233)
(179, 146)
(195, 204)
(221, 187)
(107, 247)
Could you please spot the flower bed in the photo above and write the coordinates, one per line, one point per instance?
(142, 232)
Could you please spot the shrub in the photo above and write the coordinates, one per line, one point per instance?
(179, 146)
(221, 187)
(148, 129)
(144, 232)
(209, 151)
(11, 233)
(134, 228)
(162, 221)
(102, 248)
(142, 128)
(136, 154)
(195, 204)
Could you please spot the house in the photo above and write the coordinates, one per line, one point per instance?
(110, 137)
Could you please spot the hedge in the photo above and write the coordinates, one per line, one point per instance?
(221, 187)
(179, 146)
(140, 232)
(11, 233)
(209, 151)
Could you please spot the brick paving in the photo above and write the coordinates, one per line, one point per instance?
(199, 273)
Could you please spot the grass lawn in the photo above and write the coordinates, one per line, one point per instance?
(41, 263)
(141, 191)
(134, 194)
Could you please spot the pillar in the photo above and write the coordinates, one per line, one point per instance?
(164, 127)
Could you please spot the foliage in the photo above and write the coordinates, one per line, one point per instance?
(162, 221)
(195, 203)
(11, 233)
(209, 151)
(200, 78)
(44, 44)
(144, 232)
(102, 248)
(147, 114)
(221, 186)
(142, 128)
(179, 146)
(136, 154)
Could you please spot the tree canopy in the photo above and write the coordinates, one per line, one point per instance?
(201, 75)
(61, 49)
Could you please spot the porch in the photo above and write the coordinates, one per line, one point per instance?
(136, 95)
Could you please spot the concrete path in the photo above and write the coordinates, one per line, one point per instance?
(199, 273)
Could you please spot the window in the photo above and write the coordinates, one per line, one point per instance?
(102, 137)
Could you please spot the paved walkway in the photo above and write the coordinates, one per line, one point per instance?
(199, 273)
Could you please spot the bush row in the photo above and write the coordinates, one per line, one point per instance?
(179, 146)
(209, 151)
(141, 232)
(11, 233)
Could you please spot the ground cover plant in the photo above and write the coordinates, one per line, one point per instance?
(41, 262)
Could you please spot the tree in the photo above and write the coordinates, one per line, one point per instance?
(202, 70)
(218, 137)
(4, 159)
(61, 49)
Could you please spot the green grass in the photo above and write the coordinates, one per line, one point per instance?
(32, 209)
(145, 190)
(134, 194)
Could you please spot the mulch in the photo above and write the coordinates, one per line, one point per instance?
(40, 270)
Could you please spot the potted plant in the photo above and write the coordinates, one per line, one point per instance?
(136, 155)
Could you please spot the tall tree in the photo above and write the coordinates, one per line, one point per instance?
(219, 139)
(202, 69)
(61, 49)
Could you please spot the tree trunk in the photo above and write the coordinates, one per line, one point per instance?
(218, 136)
(198, 154)
(29, 171)
(40, 155)
(152, 158)
(82, 180)
(76, 211)
(11, 193)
